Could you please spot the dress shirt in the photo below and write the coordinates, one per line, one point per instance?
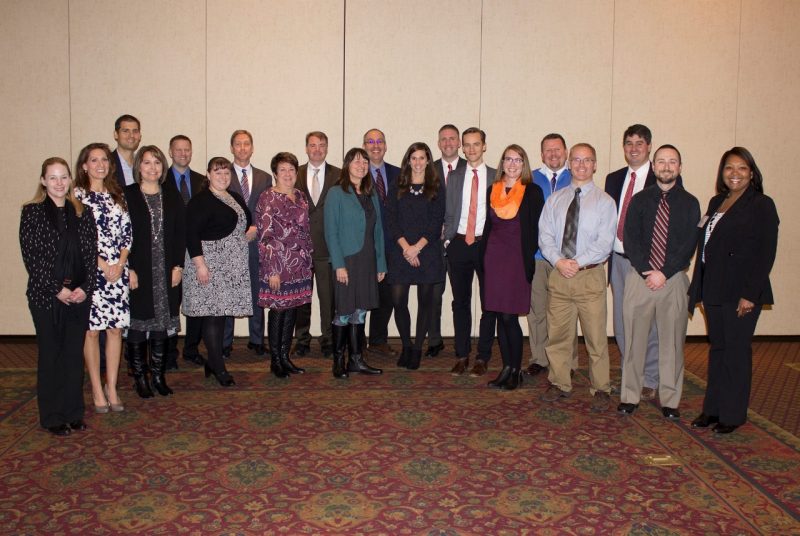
(597, 225)
(310, 180)
(684, 213)
(374, 171)
(127, 171)
(547, 172)
(641, 177)
(454, 164)
(177, 177)
(465, 197)
(249, 169)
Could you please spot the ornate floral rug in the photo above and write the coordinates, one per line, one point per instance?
(405, 453)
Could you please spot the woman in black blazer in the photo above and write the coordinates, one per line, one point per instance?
(735, 253)
(156, 268)
(510, 241)
(58, 239)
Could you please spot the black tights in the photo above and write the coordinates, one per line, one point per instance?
(134, 335)
(509, 334)
(213, 332)
(403, 318)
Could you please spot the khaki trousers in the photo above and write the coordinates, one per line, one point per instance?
(537, 318)
(668, 306)
(583, 298)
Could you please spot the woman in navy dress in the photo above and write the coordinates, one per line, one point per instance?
(414, 219)
(510, 236)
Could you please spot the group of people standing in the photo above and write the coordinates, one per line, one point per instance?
(136, 240)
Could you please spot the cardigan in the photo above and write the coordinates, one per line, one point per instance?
(345, 225)
(208, 218)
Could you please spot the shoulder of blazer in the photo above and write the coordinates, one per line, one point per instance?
(614, 182)
(197, 180)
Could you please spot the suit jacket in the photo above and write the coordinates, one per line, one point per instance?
(739, 254)
(529, 211)
(437, 165)
(259, 182)
(118, 174)
(316, 212)
(392, 176)
(455, 193)
(196, 181)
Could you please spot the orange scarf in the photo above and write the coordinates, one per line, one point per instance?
(506, 205)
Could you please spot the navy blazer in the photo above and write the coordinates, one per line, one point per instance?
(259, 182)
(739, 254)
(118, 174)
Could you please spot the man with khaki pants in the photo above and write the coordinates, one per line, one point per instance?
(576, 233)
(660, 237)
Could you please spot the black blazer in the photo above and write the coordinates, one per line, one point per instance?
(140, 258)
(316, 213)
(118, 174)
(196, 181)
(529, 211)
(739, 254)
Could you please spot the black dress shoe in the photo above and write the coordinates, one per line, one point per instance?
(704, 421)
(78, 425)
(502, 378)
(60, 430)
(535, 369)
(671, 413)
(301, 350)
(197, 359)
(626, 409)
(721, 428)
(226, 351)
(434, 350)
(257, 348)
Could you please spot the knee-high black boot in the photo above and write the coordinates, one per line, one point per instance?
(137, 357)
(340, 335)
(287, 330)
(172, 352)
(275, 320)
(355, 362)
(158, 365)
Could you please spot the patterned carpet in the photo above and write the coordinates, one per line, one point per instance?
(406, 453)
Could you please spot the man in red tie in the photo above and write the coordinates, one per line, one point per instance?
(449, 143)
(465, 215)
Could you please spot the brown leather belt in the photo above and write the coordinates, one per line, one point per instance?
(588, 267)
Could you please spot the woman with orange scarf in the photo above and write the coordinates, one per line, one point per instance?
(511, 236)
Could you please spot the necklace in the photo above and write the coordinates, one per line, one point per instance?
(415, 191)
(156, 223)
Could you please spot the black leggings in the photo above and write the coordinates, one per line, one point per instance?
(213, 333)
(403, 318)
(509, 334)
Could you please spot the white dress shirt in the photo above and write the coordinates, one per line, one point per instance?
(465, 197)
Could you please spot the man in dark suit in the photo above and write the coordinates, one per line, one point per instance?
(449, 143)
(384, 176)
(622, 185)
(184, 182)
(128, 135)
(465, 214)
(314, 179)
(249, 182)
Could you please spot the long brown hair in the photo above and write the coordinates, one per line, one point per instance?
(41, 191)
(109, 183)
(431, 185)
(344, 178)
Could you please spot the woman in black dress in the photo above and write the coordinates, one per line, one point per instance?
(414, 222)
(156, 266)
(58, 239)
(735, 253)
(354, 236)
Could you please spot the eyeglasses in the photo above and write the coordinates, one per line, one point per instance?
(375, 142)
(579, 161)
(512, 160)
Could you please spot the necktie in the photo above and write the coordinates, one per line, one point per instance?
(472, 216)
(245, 187)
(380, 186)
(315, 189)
(184, 190)
(625, 202)
(658, 248)
(568, 244)
(449, 169)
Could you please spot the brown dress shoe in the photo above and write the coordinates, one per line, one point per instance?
(382, 348)
(648, 393)
(534, 369)
(601, 401)
(553, 393)
(460, 367)
(479, 369)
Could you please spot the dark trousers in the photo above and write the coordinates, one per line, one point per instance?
(59, 374)
(194, 331)
(323, 279)
(463, 263)
(435, 329)
(379, 318)
(730, 362)
(402, 317)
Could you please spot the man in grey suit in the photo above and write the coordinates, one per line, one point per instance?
(314, 179)
(449, 143)
(249, 182)
(465, 215)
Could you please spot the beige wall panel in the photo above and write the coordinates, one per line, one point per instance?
(769, 78)
(275, 69)
(411, 66)
(34, 101)
(145, 58)
(675, 68)
(546, 68)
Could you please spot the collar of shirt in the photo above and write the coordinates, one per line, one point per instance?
(310, 173)
(176, 175)
(547, 172)
(238, 170)
(641, 172)
(374, 171)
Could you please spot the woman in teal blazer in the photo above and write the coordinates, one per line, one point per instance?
(354, 236)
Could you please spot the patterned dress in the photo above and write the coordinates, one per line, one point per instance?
(110, 301)
(284, 249)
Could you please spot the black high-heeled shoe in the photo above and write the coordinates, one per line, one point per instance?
(224, 378)
(514, 380)
(501, 378)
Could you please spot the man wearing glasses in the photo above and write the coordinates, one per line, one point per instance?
(576, 233)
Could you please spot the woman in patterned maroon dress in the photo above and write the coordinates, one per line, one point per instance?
(284, 247)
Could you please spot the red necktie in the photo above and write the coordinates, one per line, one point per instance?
(625, 203)
(472, 217)
(380, 186)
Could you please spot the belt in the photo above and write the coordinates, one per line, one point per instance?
(621, 255)
(588, 267)
(464, 237)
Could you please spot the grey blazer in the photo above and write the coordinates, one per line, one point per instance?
(455, 193)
